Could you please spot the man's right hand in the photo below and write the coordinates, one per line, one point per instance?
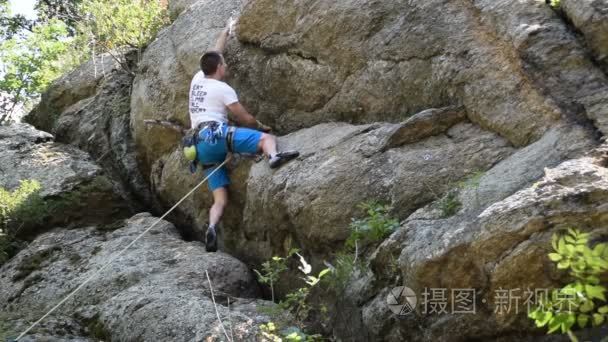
(230, 25)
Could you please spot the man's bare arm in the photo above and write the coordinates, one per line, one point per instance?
(220, 44)
(242, 116)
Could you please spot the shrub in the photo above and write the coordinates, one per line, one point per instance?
(272, 269)
(18, 208)
(344, 267)
(364, 233)
(577, 302)
(296, 302)
(376, 226)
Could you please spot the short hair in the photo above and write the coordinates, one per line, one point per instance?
(210, 61)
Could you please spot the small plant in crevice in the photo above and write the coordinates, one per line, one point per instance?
(365, 233)
(343, 268)
(20, 207)
(272, 269)
(472, 181)
(583, 301)
(296, 303)
(555, 4)
(374, 227)
(450, 204)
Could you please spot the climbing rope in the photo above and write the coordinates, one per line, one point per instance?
(120, 253)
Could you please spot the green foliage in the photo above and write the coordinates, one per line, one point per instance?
(577, 302)
(65, 35)
(272, 269)
(345, 265)
(22, 206)
(296, 302)
(111, 24)
(450, 204)
(11, 25)
(376, 226)
(555, 4)
(270, 332)
(371, 229)
(30, 64)
(472, 181)
(64, 10)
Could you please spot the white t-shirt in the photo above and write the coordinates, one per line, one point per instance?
(208, 99)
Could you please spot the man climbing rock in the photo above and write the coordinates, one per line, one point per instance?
(214, 138)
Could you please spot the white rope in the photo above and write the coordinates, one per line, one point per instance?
(216, 310)
(119, 253)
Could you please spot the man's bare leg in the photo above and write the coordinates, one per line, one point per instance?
(268, 145)
(220, 200)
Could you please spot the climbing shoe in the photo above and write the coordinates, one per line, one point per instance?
(211, 240)
(282, 158)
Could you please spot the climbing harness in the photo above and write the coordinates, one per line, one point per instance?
(230, 139)
(209, 132)
(119, 253)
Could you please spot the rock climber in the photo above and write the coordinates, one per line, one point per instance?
(212, 138)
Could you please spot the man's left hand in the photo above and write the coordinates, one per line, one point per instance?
(262, 127)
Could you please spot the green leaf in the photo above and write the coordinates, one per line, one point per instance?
(555, 256)
(598, 319)
(323, 272)
(543, 318)
(569, 322)
(563, 264)
(554, 324)
(561, 245)
(595, 291)
(582, 320)
(554, 242)
(603, 309)
(570, 249)
(587, 306)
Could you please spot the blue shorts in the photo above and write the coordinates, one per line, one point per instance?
(244, 140)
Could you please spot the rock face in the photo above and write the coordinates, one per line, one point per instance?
(90, 109)
(591, 18)
(513, 64)
(514, 69)
(492, 105)
(503, 246)
(343, 165)
(76, 190)
(156, 291)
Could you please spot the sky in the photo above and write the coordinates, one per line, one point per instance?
(25, 7)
